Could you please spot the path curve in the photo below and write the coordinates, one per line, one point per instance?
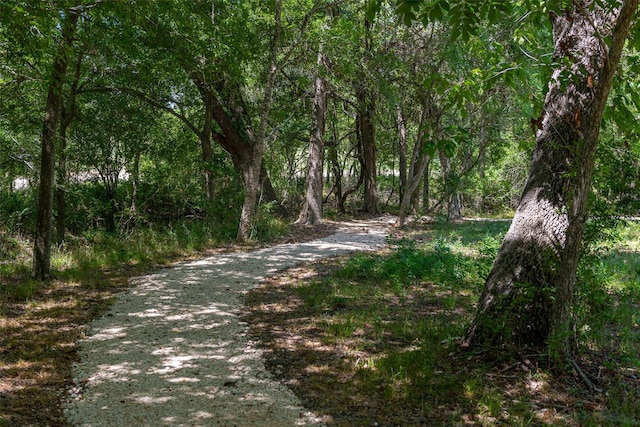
(172, 351)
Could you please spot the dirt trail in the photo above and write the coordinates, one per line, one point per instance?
(173, 352)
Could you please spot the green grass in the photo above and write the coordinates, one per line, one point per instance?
(80, 256)
(396, 320)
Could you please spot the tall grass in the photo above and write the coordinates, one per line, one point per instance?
(81, 256)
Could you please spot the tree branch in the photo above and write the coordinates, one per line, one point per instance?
(160, 104)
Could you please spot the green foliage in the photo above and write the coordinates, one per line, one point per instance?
(18, 291)
(268, 223)
(17, 210)
(606, 316)
(464, 17)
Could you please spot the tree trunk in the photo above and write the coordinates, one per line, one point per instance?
(207, 156)
(42, 238)
(528, 293)
(416, 176)
(311, 212)
(450, 188)
(68, 113)
(336, 171)
(251, 173)
(267, 192)
(419, 158)
(425, 189)
(402, 143)
(366, 111)
(365, 116)
(61, 181)
(135, 183)
(206, 134)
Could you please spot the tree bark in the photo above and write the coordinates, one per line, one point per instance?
(311, 212)
(336, 170)
(43, 235)
(207, 149)
(425, 189)
(68, 113)
(366, 132)
(450, 188)
(61, 185)
(135, 181)
(402, 148)
(528, 294)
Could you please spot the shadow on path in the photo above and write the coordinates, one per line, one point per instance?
(172, 351)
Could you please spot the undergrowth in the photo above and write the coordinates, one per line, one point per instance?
(388, 328)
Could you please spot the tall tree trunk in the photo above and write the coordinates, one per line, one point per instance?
(365, 115)
(336, 170)
(366, 111)
(417, 171)
(528, 294)
(402, 145)
(68, 113)
(61, 181)
(207, 157)
(42, 238)
(311, 212)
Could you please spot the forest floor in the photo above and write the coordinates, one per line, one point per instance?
(331, 376)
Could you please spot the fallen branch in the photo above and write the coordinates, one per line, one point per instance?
(587, 381)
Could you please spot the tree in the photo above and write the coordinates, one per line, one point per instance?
(236, 90)
(43, 235)
(528, 294)
(311, 212)
(429, 124)
(366, 109)
(68, 115)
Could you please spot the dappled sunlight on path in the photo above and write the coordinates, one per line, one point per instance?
(172, 351)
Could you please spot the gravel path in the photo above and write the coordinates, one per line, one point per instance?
(172, 351)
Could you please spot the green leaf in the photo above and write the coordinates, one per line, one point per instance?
(372, 8)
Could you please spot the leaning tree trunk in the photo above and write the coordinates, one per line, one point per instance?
(43, 235)
(528, 293)
(311, 212)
